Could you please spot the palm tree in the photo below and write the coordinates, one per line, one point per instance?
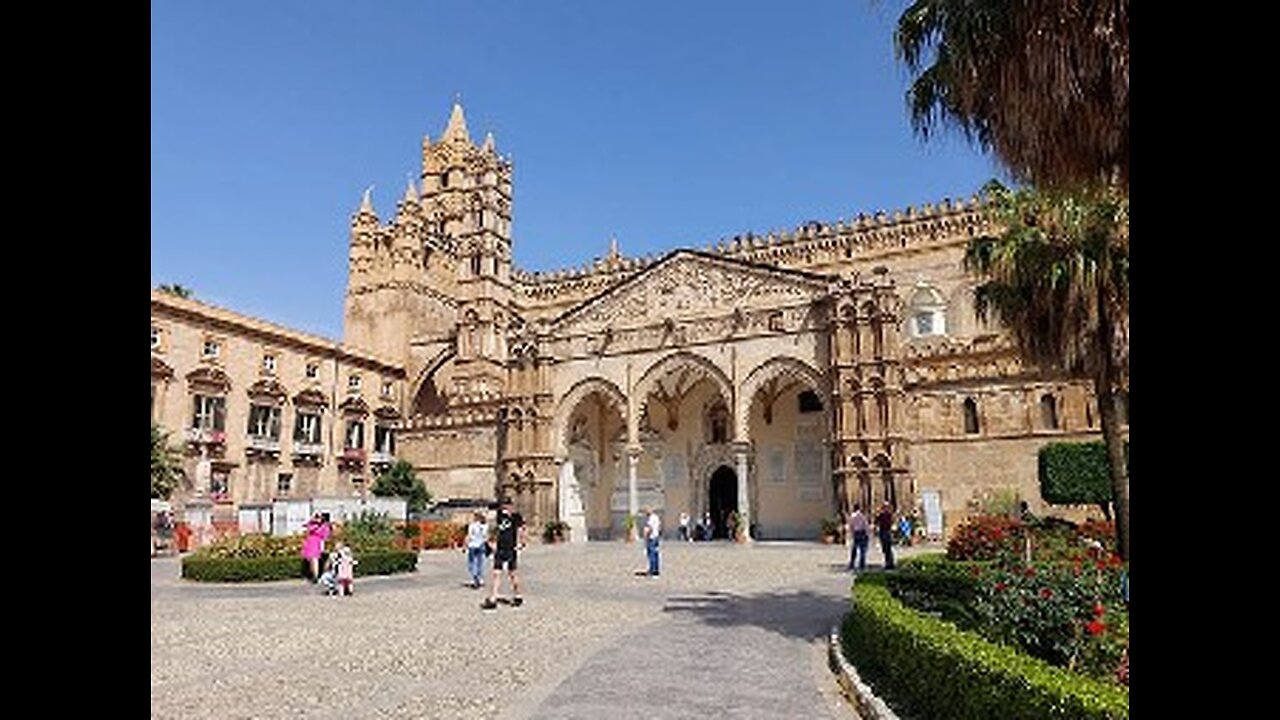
(1058, 278)
(1043, 83)
(166, 471)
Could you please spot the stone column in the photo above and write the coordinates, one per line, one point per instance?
(633, 495)
(744, 497)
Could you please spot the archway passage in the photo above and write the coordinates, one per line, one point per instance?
(722, 499)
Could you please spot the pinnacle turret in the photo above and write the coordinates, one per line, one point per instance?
(457, 128)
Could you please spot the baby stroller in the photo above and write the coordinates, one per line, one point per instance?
(329, 578)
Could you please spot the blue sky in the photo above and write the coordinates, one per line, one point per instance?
(663, 123)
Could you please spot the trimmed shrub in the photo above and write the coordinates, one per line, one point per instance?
(387, 563)
(927, 667)
(208, 568)
(1074, 474)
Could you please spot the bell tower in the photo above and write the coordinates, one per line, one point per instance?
(466, 203)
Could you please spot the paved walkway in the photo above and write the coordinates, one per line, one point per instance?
(728, 631)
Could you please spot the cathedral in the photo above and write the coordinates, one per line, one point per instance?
(783, 377)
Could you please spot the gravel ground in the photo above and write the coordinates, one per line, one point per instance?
(726, 631)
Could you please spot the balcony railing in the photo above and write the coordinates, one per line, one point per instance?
(264, 444)
(382, 457)
(303, 448)
(206, 436)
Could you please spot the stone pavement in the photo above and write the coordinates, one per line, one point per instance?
(728, 631)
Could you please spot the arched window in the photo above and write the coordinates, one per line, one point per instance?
(970, 417)
(927, 314)
(1048, 412)
(810, 402)
(718, 424)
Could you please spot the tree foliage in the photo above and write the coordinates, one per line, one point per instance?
(1076, 474)
(400, 481)
(1057, 276)
(166, 470)
(1043, 83)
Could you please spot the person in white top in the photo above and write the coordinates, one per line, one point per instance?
(477, 548)
(652, 534)
(859, 530)
(684, 527)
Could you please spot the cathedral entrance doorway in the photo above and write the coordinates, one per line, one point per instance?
(722, 499)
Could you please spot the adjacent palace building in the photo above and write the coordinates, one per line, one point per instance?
(785, 377)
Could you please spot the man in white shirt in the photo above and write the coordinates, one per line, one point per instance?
(652, 534)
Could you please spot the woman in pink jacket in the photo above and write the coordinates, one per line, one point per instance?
(318, 530)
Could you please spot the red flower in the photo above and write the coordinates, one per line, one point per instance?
(1099, 610)
(1000, 587)
(1094, 627)
(1046, 593)
(1100, 565)
(1030, 571)
(1116, 561)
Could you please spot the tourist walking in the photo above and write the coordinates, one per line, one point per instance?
(684, 527)
(512, 537)
(317, 531)
(860, 531)
(884, 529)
(477, 548)
(652, 536)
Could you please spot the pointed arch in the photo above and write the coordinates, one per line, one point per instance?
(676, 361)
(569, 402)
(784, 367)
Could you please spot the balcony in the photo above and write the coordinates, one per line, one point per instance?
(206, 436)
(352, 458)
(382, 457)
(263, 447)
(307, 453)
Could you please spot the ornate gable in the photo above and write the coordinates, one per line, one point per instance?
(688, 285)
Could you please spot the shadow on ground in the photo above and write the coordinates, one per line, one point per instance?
(802, 614)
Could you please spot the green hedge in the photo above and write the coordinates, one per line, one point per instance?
(258, 569)
(1076, 473)
(926, 667)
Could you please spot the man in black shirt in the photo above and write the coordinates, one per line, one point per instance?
(511, 538)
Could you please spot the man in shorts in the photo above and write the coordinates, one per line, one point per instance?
(512, 537)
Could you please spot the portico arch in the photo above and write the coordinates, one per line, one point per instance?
(589, 429)
(785, 414)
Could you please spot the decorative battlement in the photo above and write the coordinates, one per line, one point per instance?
(809, 245)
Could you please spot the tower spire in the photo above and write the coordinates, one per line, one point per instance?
(366, 202)
(410, 193)
(457, 128)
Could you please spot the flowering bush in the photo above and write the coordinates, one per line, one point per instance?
(1069, 613)
(1104, 531)
(253, 546)
(1064, 613)
(987, 537)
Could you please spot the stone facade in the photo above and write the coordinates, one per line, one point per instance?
(263, 412)
(784, 376)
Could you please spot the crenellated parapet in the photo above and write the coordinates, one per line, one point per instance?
(822, 247)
